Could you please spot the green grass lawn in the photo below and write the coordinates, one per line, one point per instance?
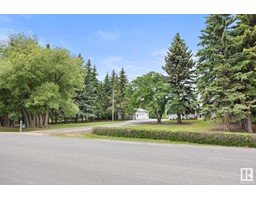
(187, 125)
(60, 126)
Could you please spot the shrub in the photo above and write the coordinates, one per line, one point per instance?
(225, 139)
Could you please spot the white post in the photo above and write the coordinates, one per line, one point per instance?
(20, 125)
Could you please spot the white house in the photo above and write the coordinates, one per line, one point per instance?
(141, 114)
(188, 116)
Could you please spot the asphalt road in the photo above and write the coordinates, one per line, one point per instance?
(30, 159)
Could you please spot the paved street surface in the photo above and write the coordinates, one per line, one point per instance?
(31, 159)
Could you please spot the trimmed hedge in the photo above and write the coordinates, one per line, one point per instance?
(224, 139)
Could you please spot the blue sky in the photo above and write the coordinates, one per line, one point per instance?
(136, 42)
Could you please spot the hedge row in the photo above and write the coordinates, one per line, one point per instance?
(224, 139)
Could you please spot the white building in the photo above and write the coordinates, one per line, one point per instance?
(141, 114)
(188, 116)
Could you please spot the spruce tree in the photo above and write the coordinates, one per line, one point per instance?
(88, 96)
(107, 88)
(112, 78)
(179, 67)
(123, 81)
(215, 81)
(123, 85)
(107, 85)
(116, 93)
(244, 61)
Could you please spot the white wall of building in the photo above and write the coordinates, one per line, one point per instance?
(188, 116)
(141, 114)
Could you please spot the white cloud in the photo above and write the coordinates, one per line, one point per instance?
(108, 34)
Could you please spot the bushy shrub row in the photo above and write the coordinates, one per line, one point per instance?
(225, 139)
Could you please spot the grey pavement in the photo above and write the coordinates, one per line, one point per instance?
(37, 159)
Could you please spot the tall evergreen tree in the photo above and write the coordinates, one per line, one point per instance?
(179, 67)
(215, 75)
(107, 85)
(244, 61)
(98, 104)
(112, 78)
(107, 92)
(94, 75)
(115, 96)
(87, 98)
(101, 102)
(123, 81)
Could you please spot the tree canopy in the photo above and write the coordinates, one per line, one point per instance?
(179, 68)
(34, 79)
(150, 92)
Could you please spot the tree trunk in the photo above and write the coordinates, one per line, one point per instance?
(31, 120)
(40, 117)
(46, 117)
(246, 124)
(249, 123)
(240, 122)
(37, 122)
(226, 122)
(159, 120)
(179, 118)
(26, 117)
(243, 123)
(76, 118)
(6, 121)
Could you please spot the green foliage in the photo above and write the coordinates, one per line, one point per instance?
(226, 68)
(150, 92)
(116, 84)
(216, 81)
(244, 62)
(179, 67)
(240, 140)
(34, 79)
(87, 98)
(123, 82)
